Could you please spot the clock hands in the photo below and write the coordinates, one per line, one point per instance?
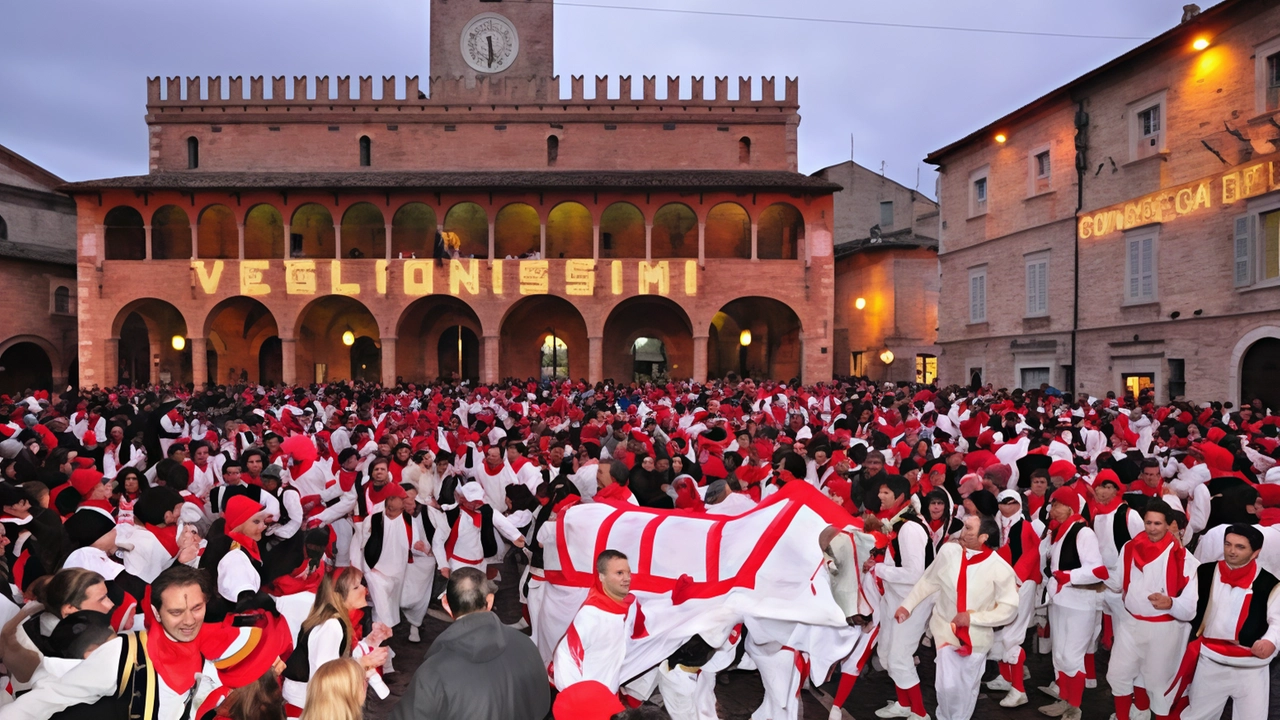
(489, 38)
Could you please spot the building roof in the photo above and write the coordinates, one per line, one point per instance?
(37, 253)
(903, 239)
(32, 171)
(458, 179)
(1208, 22)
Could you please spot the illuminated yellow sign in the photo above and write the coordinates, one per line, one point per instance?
(418, 277)
(1167, 205)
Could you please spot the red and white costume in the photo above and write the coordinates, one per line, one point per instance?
(594, 645)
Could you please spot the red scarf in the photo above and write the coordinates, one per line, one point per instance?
(379, 495)
(492, 473)
(1141, 552)
(167, 535)
(615, 492)
(962, 595)
(454, 534)
(1139, 486)
(1096, 508)
(889, 513)
(346, 479)
(598, 598)
(1241, 577)
(249, 544)
(177, 663)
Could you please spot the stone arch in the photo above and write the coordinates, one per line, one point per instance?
(217, 235)
(1236, 370)
(649, 316)
(263, 233)
(675, 232)
(525, 327)
(422, 328)
(170, 233)
(728, 233)
(569, 231)
(311, 232)
(774, 351)
(28, 361)
(240, 326)
(622, 231)
(145, 329)
(517, 231)
(364, 232)
(471, 223)
(413, 231)
(780, 232)
(319, 331)
(125, 237)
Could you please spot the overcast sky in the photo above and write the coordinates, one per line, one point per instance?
(73, 90)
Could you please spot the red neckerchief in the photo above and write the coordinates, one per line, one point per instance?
(379, 495)
(347, 479)
(599, 599)
(1141, 487)
(1241, 577)
(1034, 503)
(1141, 551)
(616, 492)
(249, 544)
(454, 534)
(492, 473)
(301, 467)
(1144, 551)
(1061, 531)
(408, 530)
(251, 479)
(1096, 508)
(962, 595)
(188, 496)
(936, 525)
(519, 463)
(884, 514)
(167, 535)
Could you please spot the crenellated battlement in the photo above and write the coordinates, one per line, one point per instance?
(175, 92)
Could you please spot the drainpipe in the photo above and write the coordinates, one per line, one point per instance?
(1082, 165)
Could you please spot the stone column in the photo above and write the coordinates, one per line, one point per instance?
(648, 241)
(543, 252)
(146, 229)
(489, 370)
(199, 361)
(595, 243)
(388, 239)
(491, 240)
(595, 359)
(99, 244)
(755, 241)
(702, 244)
(700, 358)
(240, 228)
(287, 241)
(110, 364)
(337, 241)
(389, 361)
(195, 241)
(289, 356)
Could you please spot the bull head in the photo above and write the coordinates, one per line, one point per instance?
(842, 549)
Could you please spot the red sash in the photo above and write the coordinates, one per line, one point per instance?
(962, 596)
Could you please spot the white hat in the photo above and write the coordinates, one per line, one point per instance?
(471, 492)
(1009, 495)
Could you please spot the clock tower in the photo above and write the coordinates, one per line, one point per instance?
(492, 38)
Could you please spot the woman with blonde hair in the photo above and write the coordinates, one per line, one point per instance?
(328, 634)
(336, 691)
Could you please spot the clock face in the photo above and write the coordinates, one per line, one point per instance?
(490, 43)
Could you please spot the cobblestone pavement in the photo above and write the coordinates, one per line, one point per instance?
(740, 693)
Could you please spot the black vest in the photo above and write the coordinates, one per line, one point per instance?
(298, 667)
(928, 546)
(1120, 526)
(1069, 556)
(487, 541)
(1255, 621)
(373, 548)
(1015, 542)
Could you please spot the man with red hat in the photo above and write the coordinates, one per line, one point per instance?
(382, 549)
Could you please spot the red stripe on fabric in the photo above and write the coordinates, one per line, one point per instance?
(602, 534)
(713, 551)
(646, 544)
(575, 645)
(1244, 611)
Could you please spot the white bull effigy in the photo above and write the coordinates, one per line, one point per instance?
(764, 571)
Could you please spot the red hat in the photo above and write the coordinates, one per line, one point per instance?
(84, 463)
(240, 509)
(395, 490)
(1063, 469)
(586, 700)
(90, 438)
(1107, 475)
(84, 480)
(1068, 496)
(255, 649)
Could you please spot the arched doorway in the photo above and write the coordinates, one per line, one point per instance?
(653, 317)
(125, 234)
(458, 347)
(330, 331)
(526, 328)
(25, 365)
(270, 362)
(555, 358)
(427, 344)
(152, 344)
(755, 336)
(648, 359)
(1260, 373)
(237, 329)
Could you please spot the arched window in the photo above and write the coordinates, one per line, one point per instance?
(193, 153)
(553, 150)
(4, 229)
(366, 152)
(555, 358)
(62, 299)
(744, 151)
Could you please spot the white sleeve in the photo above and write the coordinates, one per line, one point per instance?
(440, 536)
(293, 506)
(236, 574)
(340, 509)
(505, 528)
(90, 681)
(325, 643)
(912, 540)
(358, 539)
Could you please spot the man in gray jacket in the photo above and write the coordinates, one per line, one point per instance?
(478, 668)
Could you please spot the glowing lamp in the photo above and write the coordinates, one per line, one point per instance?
(860, 303)
(745, 338)
(1001, 137)
(179, 343)
(348, 338)
(886, 357)
(1200, 43)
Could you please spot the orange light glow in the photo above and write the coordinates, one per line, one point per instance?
(1001, 137)
(1200, 43)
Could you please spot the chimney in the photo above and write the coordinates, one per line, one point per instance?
(1189, 12)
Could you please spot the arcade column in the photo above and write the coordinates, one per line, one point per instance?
(289, 360)
(199, 361)
(489, 373)
(595, 359)
(700, 358)
(388, 362)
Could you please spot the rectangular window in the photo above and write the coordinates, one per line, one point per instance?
(1273, 82)
(926, 369)
(1270, 225)
(1037, 285)
(1140, 268)
(1042, 165)
(1149, 121)
(886, 215)
(1033, 378)
(978, 191)
(1136, 384)
(1177, 378)
(1147, 126)
(856, 368)
(978, 294)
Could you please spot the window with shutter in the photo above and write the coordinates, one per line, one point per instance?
(978, 295)
(1140, 267)
(1267, 227)
(1037, 285)
(1243, 251)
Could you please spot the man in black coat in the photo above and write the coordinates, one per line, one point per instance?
(478, 668)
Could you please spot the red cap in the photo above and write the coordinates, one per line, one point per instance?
(586, 700)
(84, 480)
(240, 509)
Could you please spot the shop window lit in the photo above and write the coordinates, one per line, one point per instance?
(1137, 383)
(926, 368)
(1270, 224)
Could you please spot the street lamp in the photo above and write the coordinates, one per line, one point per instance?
(348, 338)
(179, 343)
(860, 303)
(745, 338)
(886, 357)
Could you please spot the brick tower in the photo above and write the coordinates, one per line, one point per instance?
(487, 38)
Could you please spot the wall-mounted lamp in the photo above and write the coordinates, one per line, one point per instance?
(745, 338)
(1200, 43)
(860, 303)
(348, 338)
(886, 357)
(1001, 138)
(179, 343)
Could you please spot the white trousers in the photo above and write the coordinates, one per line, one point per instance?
(781, 682)
(384, 596)
(415, 595)
(1248, 688)
(1071, 631)
(896, 647)
(957, 683)
(1007, 644)
(679, 692)
(1151, 651)
(342, 531)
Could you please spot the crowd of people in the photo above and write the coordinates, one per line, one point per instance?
(246, 551)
